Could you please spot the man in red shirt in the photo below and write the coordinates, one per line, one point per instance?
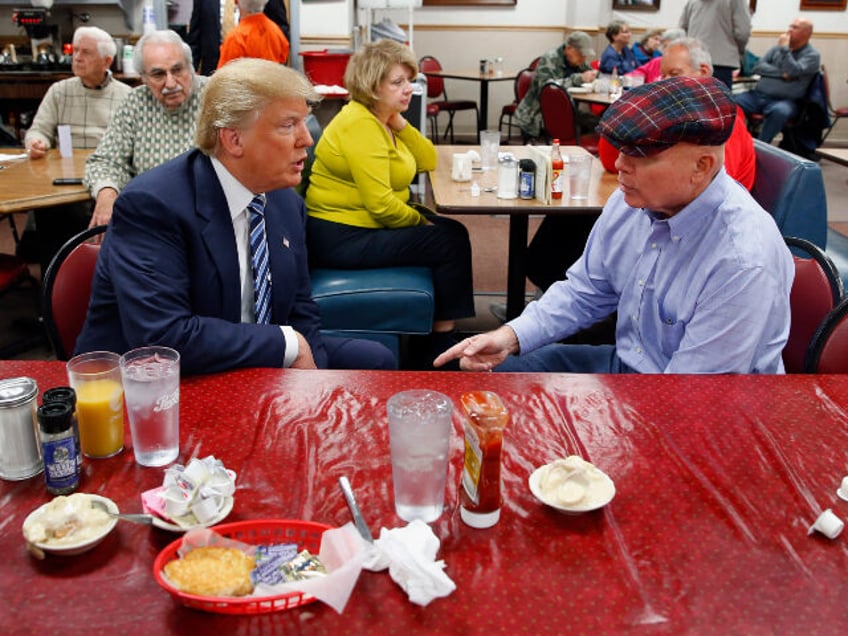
(255, 36)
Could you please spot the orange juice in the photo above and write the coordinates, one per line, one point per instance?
(100, 411)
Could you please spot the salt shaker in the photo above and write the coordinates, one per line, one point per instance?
(508, 178)
(20, 453)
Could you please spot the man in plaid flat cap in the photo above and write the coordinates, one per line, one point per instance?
(697, 271)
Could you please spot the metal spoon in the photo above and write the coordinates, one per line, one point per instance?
(143, 519)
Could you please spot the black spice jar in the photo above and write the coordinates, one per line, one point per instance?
(61, 470)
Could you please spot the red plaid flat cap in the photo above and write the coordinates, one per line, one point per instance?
(654, 117)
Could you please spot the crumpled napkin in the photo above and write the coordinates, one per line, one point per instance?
(410, 555)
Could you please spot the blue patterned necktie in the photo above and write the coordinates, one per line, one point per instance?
(259, 261)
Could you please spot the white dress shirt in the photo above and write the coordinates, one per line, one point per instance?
(238, 197)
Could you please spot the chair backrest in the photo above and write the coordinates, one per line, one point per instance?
(828, 353)
(816, 290)
(435, 85)
(559, 116)
(532, 66)
(67, 290)
(522, 84)
(791, 189)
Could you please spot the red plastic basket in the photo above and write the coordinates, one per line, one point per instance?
(307, 535)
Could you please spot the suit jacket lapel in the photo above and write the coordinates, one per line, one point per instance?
(217, 233)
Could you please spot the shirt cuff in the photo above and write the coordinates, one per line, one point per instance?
(292, 348)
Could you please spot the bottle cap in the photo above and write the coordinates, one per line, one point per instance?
(479, 519)
(60, 394)
(828, 524)
(54, 417)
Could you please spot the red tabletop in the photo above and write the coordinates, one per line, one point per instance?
(717, 478)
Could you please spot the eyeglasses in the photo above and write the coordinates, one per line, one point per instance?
(160, 74)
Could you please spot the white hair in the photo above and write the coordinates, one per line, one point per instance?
(160, 37)
(105, 44)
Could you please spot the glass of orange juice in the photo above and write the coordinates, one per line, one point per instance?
(96, 378)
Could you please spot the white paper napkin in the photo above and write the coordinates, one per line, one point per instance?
(410, 555)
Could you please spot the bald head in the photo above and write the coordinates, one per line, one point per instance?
(800, 32)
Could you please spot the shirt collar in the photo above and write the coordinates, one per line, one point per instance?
(236, 194)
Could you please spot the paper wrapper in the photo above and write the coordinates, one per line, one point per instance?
(342, 553)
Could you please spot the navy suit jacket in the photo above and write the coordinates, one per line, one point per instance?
(204, 31)
(168, 274)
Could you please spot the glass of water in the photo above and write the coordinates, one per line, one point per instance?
(151, 379)
(419, 434)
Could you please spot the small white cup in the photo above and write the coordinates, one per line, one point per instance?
(828, 524)
(461, 167)
(842, 492)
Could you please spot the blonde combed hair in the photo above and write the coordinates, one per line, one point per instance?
(370, 65)
(239, 91)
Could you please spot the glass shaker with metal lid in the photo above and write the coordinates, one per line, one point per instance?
(20, 450)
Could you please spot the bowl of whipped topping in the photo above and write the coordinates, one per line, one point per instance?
(572, 485)
(69, 525)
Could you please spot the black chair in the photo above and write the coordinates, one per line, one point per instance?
(67, 290)
(559, 119)
(816, 290)
(435, 90)
(828, 352)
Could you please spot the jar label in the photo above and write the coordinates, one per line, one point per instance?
(60, 463)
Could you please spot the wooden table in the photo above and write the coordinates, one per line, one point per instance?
(454, 198)
(837, 155)
(484, 79)
(28, 183)
(603, 99)
(717, 480)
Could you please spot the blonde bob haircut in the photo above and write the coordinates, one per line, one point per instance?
(240, 90)
(370, 65)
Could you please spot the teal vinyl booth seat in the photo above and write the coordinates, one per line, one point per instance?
(791, 188)
(385, 304)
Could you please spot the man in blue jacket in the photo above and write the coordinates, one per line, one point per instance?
(206, 253)
(786, 71)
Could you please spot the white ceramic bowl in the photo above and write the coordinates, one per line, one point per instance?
(576, 509)
(71, 549)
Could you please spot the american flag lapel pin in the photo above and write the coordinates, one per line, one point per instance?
(285, 242)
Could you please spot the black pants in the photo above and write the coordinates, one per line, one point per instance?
(558, 242)
(55, 225)
(443, 246)
(725, 74)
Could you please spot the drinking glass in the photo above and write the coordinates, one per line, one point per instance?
(96, 378)
(579, 175)
(490, 142)
(419, 435)
(152, 388)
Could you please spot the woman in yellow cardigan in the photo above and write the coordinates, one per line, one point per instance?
(358, 194)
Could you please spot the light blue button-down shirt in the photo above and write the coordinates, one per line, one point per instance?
(704, 291)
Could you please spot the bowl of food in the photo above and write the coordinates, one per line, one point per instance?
(69, 525)
(572, 485)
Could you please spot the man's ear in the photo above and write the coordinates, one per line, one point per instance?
(706, 164)
(231, 141)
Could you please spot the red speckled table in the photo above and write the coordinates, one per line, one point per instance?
(717, 480)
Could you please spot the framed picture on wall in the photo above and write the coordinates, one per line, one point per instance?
(636, 5)
(823, 5)
(470, 3)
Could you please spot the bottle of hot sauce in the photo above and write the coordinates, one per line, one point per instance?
(485, 420)
(557, 165)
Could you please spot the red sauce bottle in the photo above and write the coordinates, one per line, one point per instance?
(557, 167)
(485, 420)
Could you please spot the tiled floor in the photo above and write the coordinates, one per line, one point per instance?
(489, 248)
